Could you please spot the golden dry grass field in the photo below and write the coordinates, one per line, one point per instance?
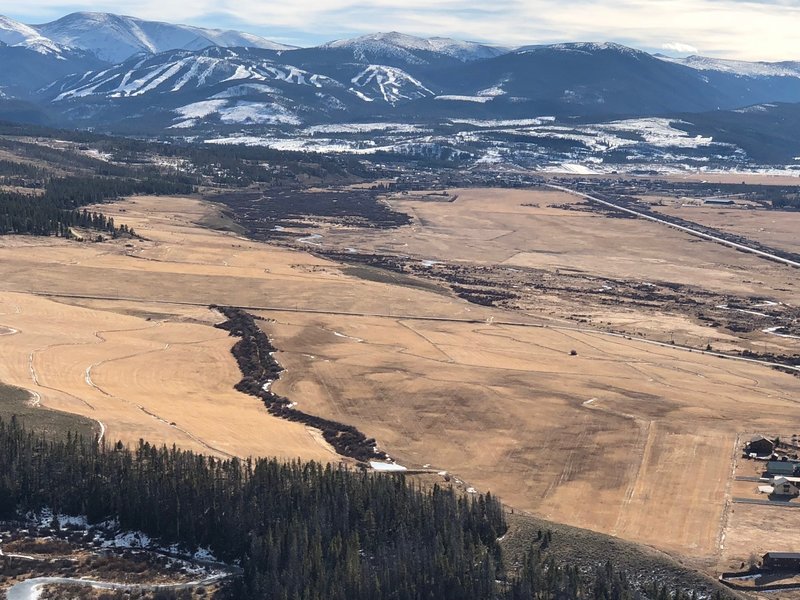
(525, 228)
(536, 230)
(626, 437)
(779, 229)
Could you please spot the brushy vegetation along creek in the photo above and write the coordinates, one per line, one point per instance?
(253, 353)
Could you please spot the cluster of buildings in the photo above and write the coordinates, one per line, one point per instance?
(782, 472)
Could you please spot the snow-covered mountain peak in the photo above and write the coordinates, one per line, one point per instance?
(14, 33)
(116, 37)
(738, 67)
(585, 47)
(401, 45)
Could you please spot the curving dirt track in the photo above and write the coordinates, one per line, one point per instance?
(169, 382)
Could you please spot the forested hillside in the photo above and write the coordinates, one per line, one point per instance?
(300, 531)
(75, 169)
(56, 211)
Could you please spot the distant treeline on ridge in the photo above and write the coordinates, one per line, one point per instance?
(57, 210)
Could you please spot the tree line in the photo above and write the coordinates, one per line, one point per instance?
(298, 530)
(22, 174)
(301, 531)
(57, 210)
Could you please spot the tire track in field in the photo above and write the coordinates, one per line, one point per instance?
(35, 377)
(642, 448)
(596, 332)
(36, 352)
(434, 345)
(726, 510)
(646, 430)
(569, 465)
(167, 346)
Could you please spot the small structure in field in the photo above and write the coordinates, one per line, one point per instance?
(781, 487)
(781, 561)
(718, 202)
(785, 468)
(760, 446)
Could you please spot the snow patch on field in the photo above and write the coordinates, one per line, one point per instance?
(246, 89)
(493, 156)
(658, 132)
(387, 467)
(572, 168)
(349, 337)
(364, 128)
(492, 92)
(109, 535)
(294, 144)
(504, 122)
(184, 124)
(129, 539)
(776, 331)
(259, 113)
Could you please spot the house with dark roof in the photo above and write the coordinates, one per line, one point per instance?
(760, 446)
(776, 468)
(781, 561)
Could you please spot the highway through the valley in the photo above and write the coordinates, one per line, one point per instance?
(688, 230)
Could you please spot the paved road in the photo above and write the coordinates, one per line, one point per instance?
(688, 230)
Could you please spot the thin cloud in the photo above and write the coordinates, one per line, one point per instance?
(679, 48)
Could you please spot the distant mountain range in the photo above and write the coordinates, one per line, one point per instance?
(130, 75)
(114, 38)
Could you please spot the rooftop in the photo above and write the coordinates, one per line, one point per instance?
(784, 555)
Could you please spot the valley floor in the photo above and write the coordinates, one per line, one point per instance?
(622, 436)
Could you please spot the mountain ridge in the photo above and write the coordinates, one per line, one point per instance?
(207, 85)
(115, 38)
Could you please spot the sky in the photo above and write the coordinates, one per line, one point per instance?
(747, 30)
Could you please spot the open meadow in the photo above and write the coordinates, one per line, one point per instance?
(619, 435)
(556, 258)
(778, 229)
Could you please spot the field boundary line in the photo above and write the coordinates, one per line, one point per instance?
(398, 317)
